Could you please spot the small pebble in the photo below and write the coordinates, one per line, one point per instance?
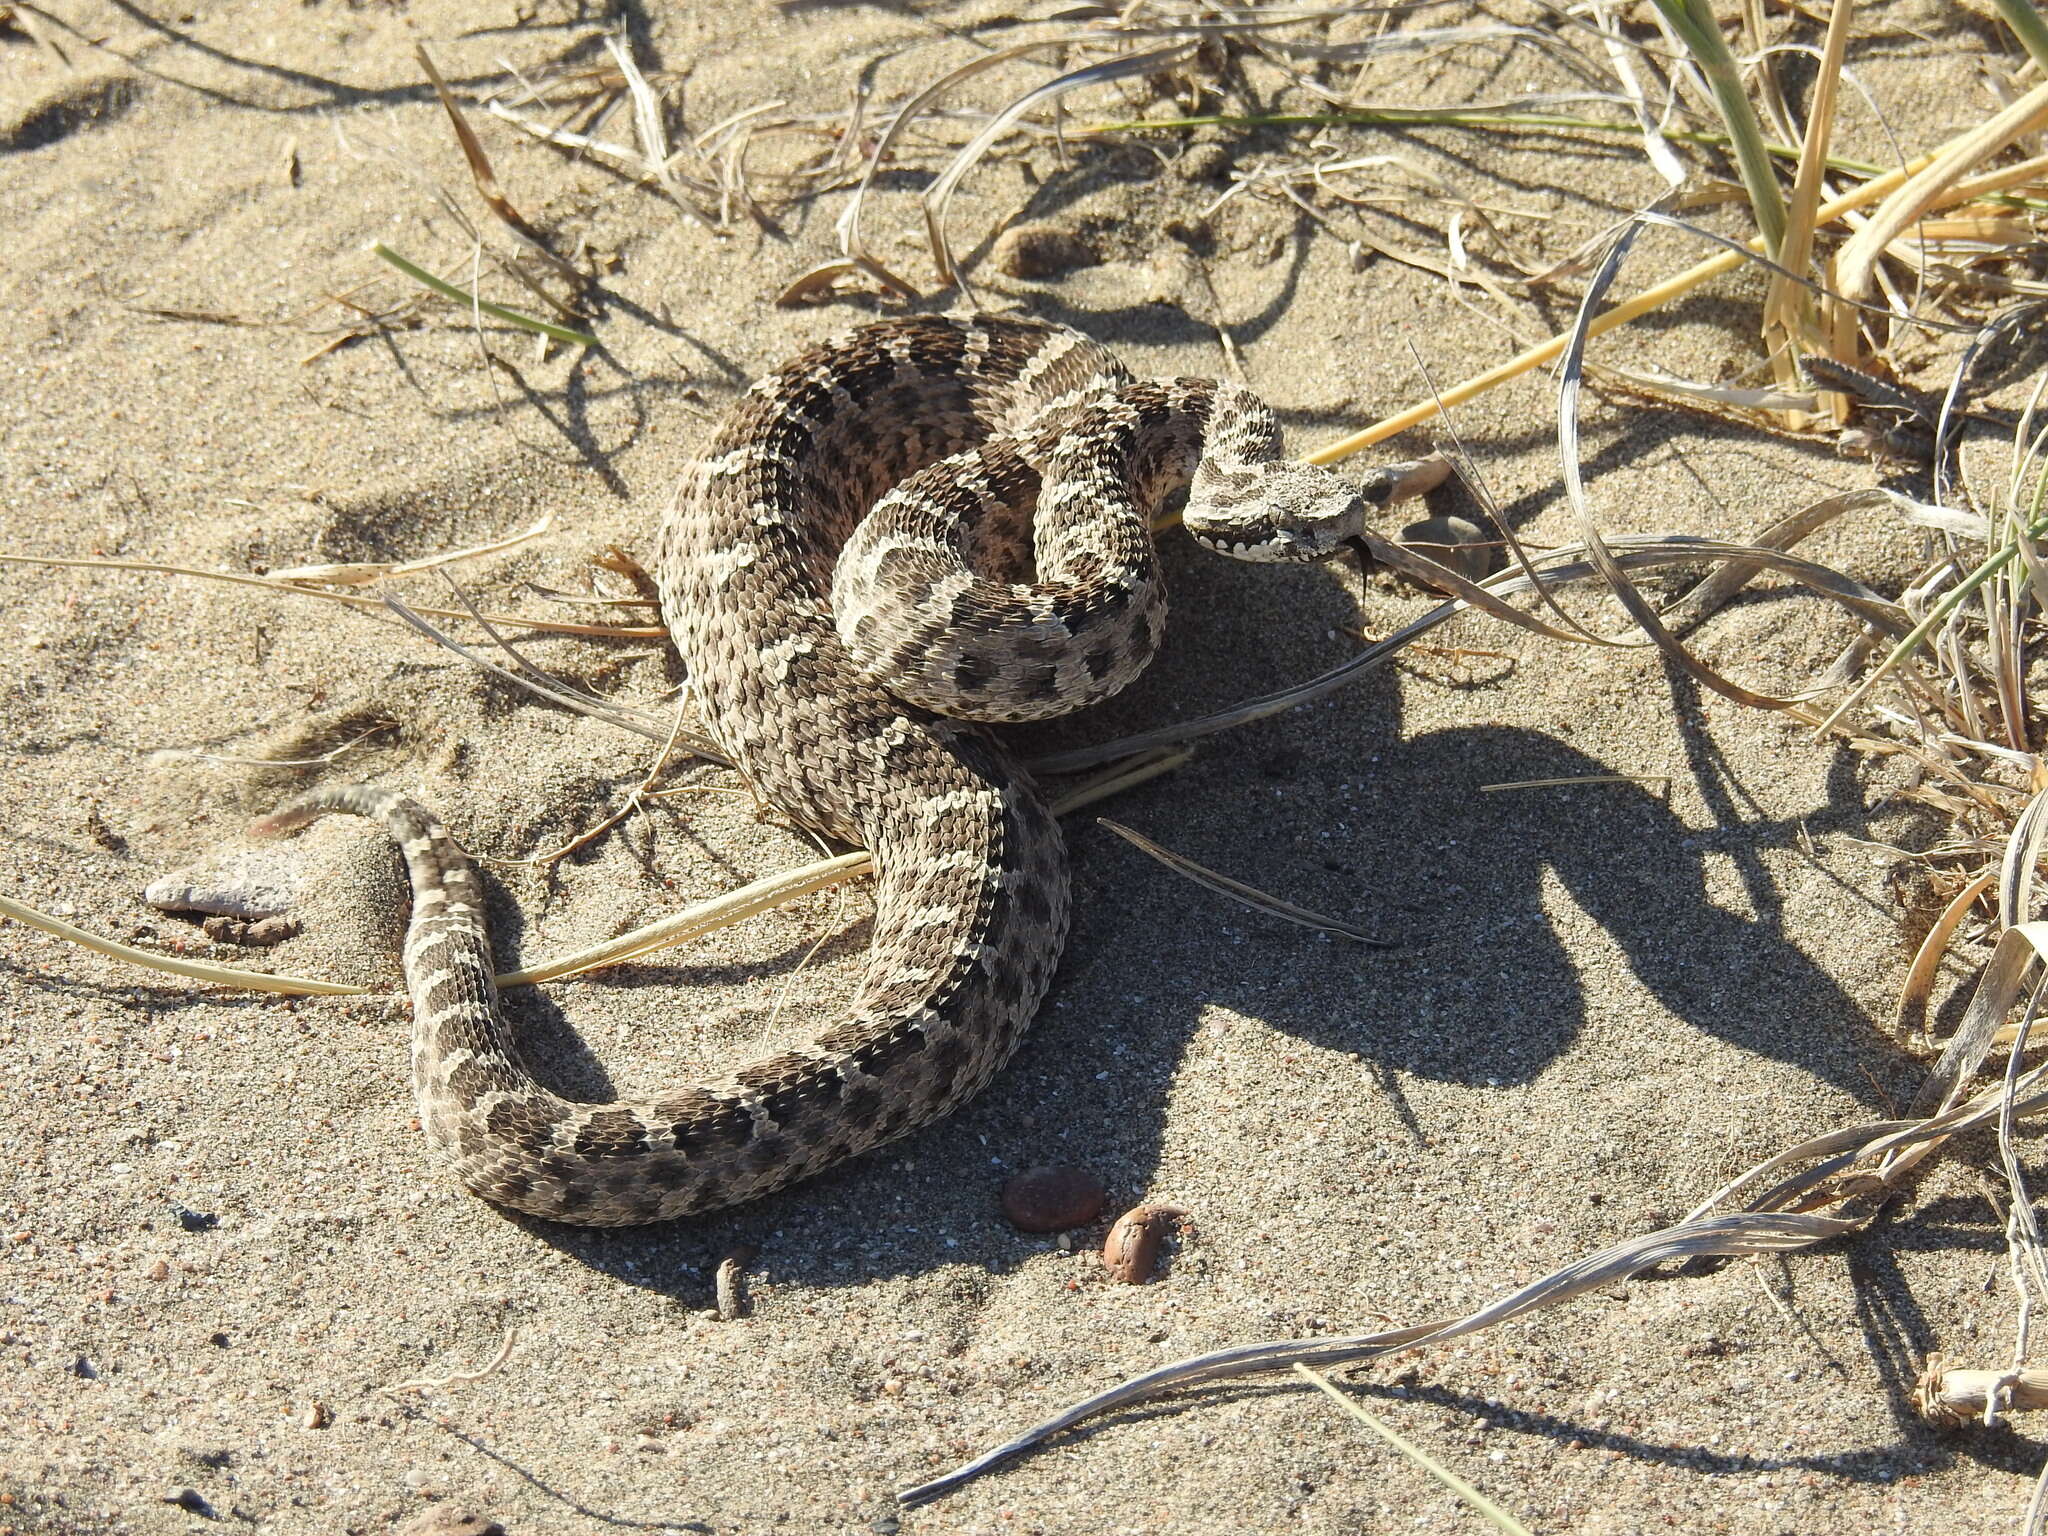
(1052, 1199)
(1455, 542)
(1131, 1251)
(1040, 250)
(316, 1416)
(256, 933)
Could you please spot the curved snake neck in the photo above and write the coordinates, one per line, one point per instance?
(927, 514)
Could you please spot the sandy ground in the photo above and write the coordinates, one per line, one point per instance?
(217, 1213)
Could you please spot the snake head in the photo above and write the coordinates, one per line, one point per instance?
(1277, 511)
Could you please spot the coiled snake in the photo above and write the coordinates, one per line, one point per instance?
(926, 523)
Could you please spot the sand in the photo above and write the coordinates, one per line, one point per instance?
(221, 1232)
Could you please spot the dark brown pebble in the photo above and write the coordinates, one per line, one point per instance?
(1040, 250)
(1455, 542)
(1052, 1199)
(257, 933)
(1131, 1250)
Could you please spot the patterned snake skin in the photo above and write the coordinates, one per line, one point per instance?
(927, 515)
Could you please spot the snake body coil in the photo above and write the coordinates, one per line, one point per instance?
(927, 515)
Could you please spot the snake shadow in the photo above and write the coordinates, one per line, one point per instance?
(1338, 808)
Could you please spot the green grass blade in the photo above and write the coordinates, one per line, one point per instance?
(1694, 23)
(469, 300)
(2027, 26)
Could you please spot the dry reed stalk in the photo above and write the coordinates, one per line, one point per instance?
(347, 599)
(1788, 310)
(1933, 185)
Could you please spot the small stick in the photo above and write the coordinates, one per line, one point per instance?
(1662, 779)
(730, 1289)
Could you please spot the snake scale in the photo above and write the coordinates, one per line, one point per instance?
(928, 523)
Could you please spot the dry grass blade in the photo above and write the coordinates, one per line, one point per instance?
(1411, 562)
(1570, 373)
(1237, 890)
(1998, 988)
(851, 240)
(348, 599)
(359, 573)
(679, 928)
(1495, 1515)
(195, 970)
(651, 131)
(460, 1378)
(2022, 860)
(1786, 312)
(1910, 1019)
(1656, 381)
(532, 678)
(1662, 780)
(818, 281)
(628, 158)
(1719, 587)
(1932, 186)
(486, 179)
